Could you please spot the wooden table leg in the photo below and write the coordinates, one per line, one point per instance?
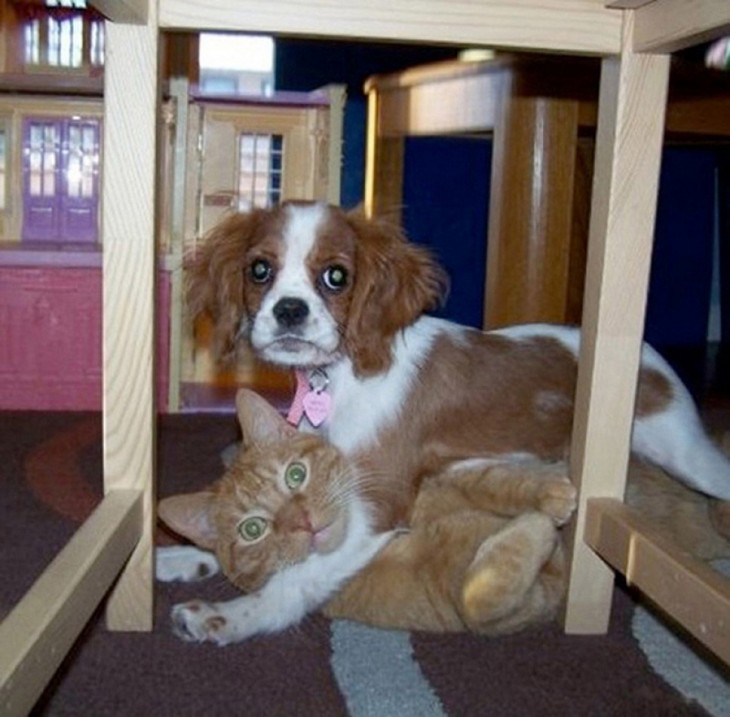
(130, 120)
(529, 247)
(628, 154)
(383, 167)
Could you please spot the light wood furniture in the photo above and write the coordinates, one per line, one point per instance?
(540, 112)
(630, 125)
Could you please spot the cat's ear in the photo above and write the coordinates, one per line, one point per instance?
(189, 515)
(261, 423)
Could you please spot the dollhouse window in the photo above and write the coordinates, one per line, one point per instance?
(65, 41)
(32, 42)
(42, 150)
(82, 160)
(96, 43)
(63, 36)
(260, 169)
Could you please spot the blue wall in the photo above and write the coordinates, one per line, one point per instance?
(679, 293)
(446, 198)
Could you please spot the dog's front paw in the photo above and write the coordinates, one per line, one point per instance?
(184, 563)
(558, 499)
(198, 621)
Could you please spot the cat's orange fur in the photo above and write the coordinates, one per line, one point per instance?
(482, 552)
(406, 587)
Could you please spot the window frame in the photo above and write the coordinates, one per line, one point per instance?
(89, 47)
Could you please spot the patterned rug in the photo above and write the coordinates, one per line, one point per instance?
(50, 468)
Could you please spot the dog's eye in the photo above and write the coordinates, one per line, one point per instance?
(261, 271)
(335, 277)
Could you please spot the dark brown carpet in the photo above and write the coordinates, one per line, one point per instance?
(50, 468)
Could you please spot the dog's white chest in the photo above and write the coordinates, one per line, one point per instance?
(361, 408)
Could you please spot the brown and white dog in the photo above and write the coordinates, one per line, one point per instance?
(343, 299)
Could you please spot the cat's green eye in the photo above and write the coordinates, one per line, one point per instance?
(295, 475)
(253, 528)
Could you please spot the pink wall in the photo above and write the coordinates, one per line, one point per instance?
(50, 337)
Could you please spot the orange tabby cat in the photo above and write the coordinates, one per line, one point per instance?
(291, 525)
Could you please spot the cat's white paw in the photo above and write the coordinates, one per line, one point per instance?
(184, 563)
(199, 621)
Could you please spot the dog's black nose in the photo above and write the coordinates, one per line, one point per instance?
(290, 312)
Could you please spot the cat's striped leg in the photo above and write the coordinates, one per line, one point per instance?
(502, 589)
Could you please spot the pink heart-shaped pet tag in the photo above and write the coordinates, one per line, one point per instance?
(317, 407)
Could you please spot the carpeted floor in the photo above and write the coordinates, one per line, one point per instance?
(50, 468)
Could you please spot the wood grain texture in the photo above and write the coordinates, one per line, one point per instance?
(690, 591)
(628, 152)
(443, 103)
(384, 158)
(531, 208)
(131, 104)
(627, 4)
(38, 633)
(338, 102)
(575, 26)
(131, 11)
(671, 25)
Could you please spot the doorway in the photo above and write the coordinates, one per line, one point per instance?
(60, 163)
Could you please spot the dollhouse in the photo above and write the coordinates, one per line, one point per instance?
(218, 152)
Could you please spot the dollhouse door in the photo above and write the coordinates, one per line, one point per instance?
(80, 180)
(60, 179)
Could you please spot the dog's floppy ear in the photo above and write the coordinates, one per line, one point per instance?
(215, 275)
(395, 282)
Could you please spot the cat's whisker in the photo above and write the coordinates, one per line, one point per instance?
(341, 484)
(355, 476)
(367, 483)
(342, 489)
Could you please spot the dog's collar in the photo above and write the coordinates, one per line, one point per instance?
(311, 398)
